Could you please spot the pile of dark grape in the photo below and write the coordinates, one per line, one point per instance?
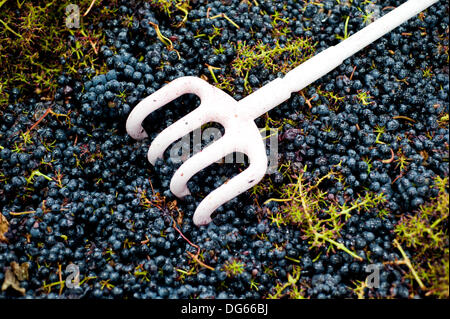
(76, 189)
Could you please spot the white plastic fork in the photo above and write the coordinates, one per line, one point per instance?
(237, 118)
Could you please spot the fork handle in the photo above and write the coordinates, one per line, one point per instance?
(279, 90)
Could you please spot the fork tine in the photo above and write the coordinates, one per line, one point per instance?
(234, 187)
(175, 131)
(212, 153)
(256, 152)
(166, 94)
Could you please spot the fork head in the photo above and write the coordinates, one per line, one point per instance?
(241, 135)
